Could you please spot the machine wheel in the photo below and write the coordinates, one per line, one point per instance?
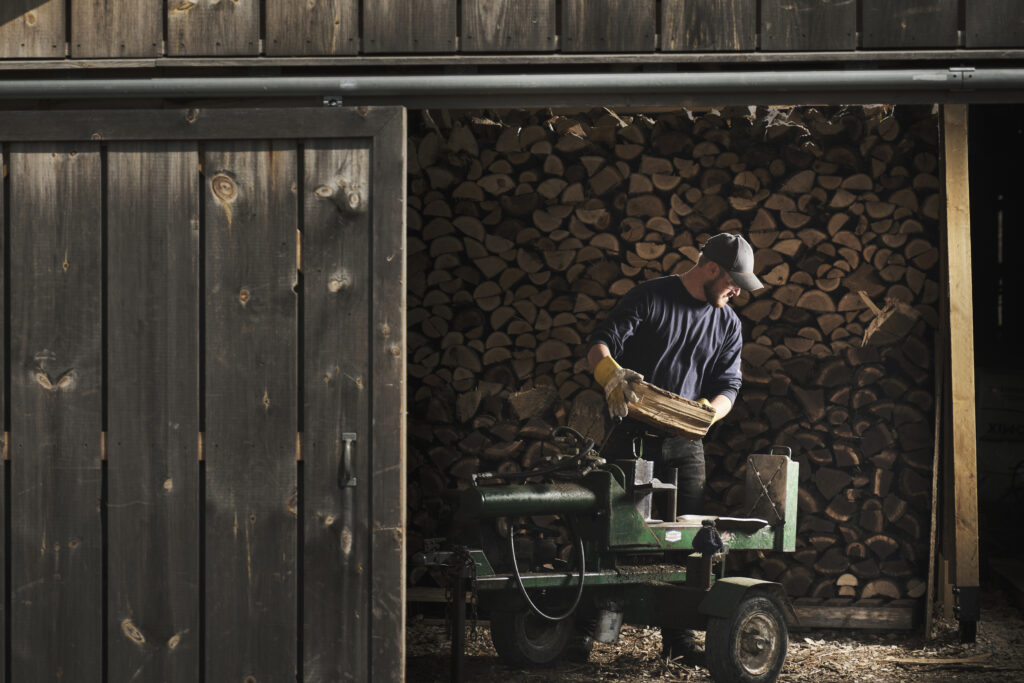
(579, 648)
(750, 645)
(525, 639)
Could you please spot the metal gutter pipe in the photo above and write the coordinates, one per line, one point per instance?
(922, 85)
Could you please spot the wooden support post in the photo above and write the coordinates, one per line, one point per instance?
(961, 355)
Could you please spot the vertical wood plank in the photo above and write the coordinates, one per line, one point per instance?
(608, 26)
(388, 358)
(117, 28)
(251, 411)
(153, 414)
(32, 28)
(708, 25)
(909, 23)
(327, 27)
(213, 27)
(961, 346)
(337, 390)
(794, 25)
(5, 525)
(508, 25)
(409, 26)
(56, 416)
(994, 23)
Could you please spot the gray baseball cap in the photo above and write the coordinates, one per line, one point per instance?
(733, 253)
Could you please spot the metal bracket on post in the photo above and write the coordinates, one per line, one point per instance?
(968, 611)
(345, 477)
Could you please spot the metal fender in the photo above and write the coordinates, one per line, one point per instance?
(726, 594)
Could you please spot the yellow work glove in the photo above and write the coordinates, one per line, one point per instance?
(705, 402)
(615, 379)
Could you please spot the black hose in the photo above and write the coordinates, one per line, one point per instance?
(522, 588)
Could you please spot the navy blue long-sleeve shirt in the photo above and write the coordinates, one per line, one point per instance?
(677, 342)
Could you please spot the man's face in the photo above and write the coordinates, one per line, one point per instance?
(719, 290)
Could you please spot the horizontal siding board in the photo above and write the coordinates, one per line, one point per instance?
(995, 23)
(326, 27)
(399, 26)
(508, 25)
(801, 25)
(153, 412)
(32, 28)
(56, 416)
(909, 23)
(708, 25)
(193, 124)
(117, 28)
(608, 26)
(213, 27)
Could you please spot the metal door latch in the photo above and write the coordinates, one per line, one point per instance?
(346, 478)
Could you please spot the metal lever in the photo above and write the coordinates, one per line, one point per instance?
(345, 477)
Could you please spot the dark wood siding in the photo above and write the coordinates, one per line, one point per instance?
(409, 26)
(995, 23)
(213, 28)
(116, 28)
(328, 27)
(130, 33)
(336, 239)
(508, 25)
(172, 256)
(251, 471)
(30, 28)
(910, 23)
(608, 25)
(56, 412)
(795, 25)
(153, 410)
(708, 25)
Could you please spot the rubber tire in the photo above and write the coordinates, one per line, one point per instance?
(579, 648)
(524, 639)
(723, 641)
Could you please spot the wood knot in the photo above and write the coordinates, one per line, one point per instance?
(354, 200)
(30, 18)
(243, 296)
(192, 115)
(223, 187)
(132, 632)
(168, 484)
(385, 329)
(324, 192)
(396, 351)
(338, 283)
(173, 642)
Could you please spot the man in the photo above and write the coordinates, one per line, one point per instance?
(679, 333)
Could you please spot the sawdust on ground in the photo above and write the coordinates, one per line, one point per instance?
(814, 656)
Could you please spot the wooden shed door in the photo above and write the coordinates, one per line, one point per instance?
(205, 308)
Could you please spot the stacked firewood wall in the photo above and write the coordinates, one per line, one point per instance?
(525, 229)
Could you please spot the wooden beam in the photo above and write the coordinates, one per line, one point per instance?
(961, 354)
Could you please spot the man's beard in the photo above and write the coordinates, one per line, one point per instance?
(711, 287)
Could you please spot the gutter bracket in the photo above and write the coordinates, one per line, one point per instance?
(965, 73)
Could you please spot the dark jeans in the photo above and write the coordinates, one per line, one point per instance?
(632, 439)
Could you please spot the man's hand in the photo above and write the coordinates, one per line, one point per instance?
(615, 380)
(705, 402)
